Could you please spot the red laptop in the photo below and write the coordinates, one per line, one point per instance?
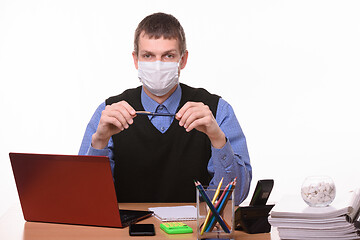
(69, 189)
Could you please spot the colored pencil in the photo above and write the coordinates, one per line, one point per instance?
(213, 202)
(218, 203)
(221, 205)
(211, 206)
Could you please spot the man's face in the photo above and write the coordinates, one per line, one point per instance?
(151, 50)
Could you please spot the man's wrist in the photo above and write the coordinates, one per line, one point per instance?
(98, 143)
(218, 141)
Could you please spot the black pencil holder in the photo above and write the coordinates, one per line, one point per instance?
(253, 219)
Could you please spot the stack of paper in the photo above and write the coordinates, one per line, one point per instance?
(294, 219)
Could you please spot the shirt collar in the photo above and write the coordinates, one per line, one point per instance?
(171, 103)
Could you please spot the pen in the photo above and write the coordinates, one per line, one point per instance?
(154, 113)
(211, 206)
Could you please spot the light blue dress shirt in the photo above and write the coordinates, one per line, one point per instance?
(228, 162)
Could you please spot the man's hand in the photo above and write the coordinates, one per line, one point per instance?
(199, 116)
(114, 119)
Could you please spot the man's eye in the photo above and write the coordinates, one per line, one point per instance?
(146, 55)
(168, 57)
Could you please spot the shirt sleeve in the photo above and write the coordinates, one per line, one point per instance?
(232, 160)
(86, 148)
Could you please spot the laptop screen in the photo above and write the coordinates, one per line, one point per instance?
(67, 189)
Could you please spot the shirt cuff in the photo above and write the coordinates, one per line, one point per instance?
(97, 152)
(224, 155)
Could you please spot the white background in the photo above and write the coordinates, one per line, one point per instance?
(290, 69)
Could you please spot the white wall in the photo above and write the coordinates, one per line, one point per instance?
(290, 69)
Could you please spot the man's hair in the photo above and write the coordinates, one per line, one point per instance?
(159, 25)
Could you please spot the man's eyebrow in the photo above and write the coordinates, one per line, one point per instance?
(171, 51)
(166, 52)
(145, 51)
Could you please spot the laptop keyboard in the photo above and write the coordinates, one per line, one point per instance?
(125, 217)
(131, 216)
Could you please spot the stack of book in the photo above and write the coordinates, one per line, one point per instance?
(294, 219)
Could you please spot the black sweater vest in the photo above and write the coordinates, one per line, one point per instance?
(151, 166)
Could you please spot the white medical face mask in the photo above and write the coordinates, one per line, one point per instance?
(158, 77)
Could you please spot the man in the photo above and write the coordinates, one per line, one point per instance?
(156, 158)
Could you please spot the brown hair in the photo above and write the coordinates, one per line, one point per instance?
(159, 25)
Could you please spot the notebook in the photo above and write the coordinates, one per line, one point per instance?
(69, 189)
(177, 213)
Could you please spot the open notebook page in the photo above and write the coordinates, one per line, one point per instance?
(178, 213)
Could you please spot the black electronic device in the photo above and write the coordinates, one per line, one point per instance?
(254, 218)
(262, 192)
(142, 229)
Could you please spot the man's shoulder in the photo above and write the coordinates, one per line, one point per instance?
(128, 93)
(196, 91)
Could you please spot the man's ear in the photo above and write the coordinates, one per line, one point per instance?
(183, 60)
(135, 59)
